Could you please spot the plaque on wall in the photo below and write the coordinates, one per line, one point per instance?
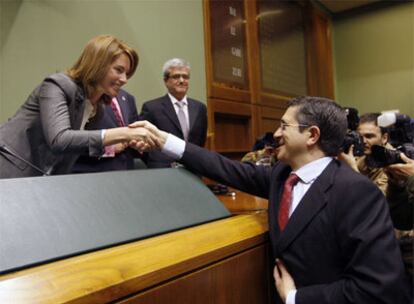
(282, 47)
(228, 43)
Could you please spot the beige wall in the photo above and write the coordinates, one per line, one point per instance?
(374, 60)
(40, 37)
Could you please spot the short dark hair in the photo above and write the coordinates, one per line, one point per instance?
(369, 118)
(327, 115)
(372, 118)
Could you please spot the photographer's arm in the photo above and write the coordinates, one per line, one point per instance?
(349, 158)
(401, 171)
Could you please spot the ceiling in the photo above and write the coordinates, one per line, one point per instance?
(339, 6)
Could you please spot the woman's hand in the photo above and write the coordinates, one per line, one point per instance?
(155, 138)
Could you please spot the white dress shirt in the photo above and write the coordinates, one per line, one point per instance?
(88, 113)
(177, 108)
(175, 147)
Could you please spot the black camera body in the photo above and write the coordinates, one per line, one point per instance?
(381, 157)
(401, 135)
(263, 141)
(352, 137)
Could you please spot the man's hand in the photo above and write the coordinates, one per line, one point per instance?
(349, 158)
(119, 148)
(156, 138)
(283, 280)
(401, 172)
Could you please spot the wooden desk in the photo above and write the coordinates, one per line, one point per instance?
(242, 202)
(219, 262)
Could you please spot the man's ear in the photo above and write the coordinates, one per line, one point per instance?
(384, 138)
(314, 135)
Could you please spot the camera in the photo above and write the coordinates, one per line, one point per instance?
(352, 137)
(266, 140)
(400, 128)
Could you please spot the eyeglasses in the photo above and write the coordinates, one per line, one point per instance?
(179, 76)
(284, 125)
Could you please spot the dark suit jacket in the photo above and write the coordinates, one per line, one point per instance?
(45, 130)
(339, 244)
(121, 161)
(161, 113)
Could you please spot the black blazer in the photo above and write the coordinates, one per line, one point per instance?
(122, 161)
(339, 244)
(161, 113)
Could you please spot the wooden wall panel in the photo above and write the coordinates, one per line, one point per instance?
(269, 119)
(260, 17)
(240, 279)
(319, 52)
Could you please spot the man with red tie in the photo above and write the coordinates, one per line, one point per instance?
(330, 229)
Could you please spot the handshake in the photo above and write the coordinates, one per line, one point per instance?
(140, 135)
(146, 136)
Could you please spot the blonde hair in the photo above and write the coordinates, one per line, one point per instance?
(93, 64)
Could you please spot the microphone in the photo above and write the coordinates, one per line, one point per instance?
(5, 149)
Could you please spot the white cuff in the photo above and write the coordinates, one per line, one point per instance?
(174, 147)
(291, 296)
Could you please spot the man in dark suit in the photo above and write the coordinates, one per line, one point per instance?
(330, 228)
(174, 112)
(119, 112)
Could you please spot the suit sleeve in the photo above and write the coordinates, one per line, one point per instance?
(133, 114)
(373, 268)
(204, 123)
(244, 176)
(132, 117)
(57, 129)
(146, 114)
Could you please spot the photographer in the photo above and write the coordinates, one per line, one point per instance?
(400, 196)
(263, 151)
(372, 134)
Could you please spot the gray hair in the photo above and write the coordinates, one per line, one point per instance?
(174, 63)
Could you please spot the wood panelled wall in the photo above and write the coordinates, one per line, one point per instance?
(240, 111)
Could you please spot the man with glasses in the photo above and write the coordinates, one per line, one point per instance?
(330, 230)
(174, 112)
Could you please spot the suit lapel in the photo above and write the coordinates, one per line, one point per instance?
(192, 112)
(169, 111)
(77, 108)
(122, 101)
(122, 105)
(111, 115)
(310, 205)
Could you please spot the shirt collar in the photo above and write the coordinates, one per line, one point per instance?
(175, 100)
(312, 170)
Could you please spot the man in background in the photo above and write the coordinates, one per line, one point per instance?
(118, 112)
(175, 112)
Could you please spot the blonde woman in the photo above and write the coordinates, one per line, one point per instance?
(47, 134)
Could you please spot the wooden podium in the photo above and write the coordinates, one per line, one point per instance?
(224, 261)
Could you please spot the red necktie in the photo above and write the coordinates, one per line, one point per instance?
(118, 115)
(286, 200)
